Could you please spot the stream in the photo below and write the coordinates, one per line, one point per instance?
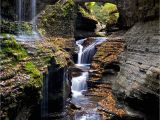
(88, 104)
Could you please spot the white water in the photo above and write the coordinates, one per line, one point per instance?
(85, 54)
(89, 116)
(79, 44)
(79, 83)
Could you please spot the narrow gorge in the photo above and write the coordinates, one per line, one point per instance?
(79, 60)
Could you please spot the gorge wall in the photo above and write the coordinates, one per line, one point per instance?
(137, 83)
(133, 71)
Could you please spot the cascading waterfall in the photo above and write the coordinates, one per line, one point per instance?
(85, 55)
(79, 83)
(79, 44)
(90, 50)
(21, 11)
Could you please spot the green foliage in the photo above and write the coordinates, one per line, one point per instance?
(105, 13)
(84, 13)
(90, 5)
(11, 48)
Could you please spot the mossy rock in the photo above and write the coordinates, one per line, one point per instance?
(57, 20)
(35, 75)
(11, 48)
(15, 27)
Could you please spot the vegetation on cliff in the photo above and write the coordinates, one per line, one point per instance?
(57, 20)
(15, 28)
(106, 13)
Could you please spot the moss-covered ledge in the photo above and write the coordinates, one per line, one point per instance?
(22, 67)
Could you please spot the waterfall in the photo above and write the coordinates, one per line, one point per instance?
(33, 14)
(79, 44)
(79, 84)
(23, 36)
(85, 56)
(21, 12)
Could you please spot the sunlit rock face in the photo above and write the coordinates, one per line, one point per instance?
(138, 80)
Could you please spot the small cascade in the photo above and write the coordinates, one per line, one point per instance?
(79, 44)
(79, 83)
(85, 54)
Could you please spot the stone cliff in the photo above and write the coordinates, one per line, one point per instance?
(130, 64)
(138, 81)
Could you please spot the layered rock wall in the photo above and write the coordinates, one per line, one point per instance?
(138, 81)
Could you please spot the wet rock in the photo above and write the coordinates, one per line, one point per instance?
(75, 71)
(88, 41)
(75, 107)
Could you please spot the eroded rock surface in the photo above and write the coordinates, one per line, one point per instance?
(105, 60)
(137, 83)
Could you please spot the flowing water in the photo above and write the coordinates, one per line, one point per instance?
(79, 83)
(22, 36)
(33, 15)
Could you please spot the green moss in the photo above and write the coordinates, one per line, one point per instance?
(15, 27)
(31, 69)
(11, 48)
(35, 75)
